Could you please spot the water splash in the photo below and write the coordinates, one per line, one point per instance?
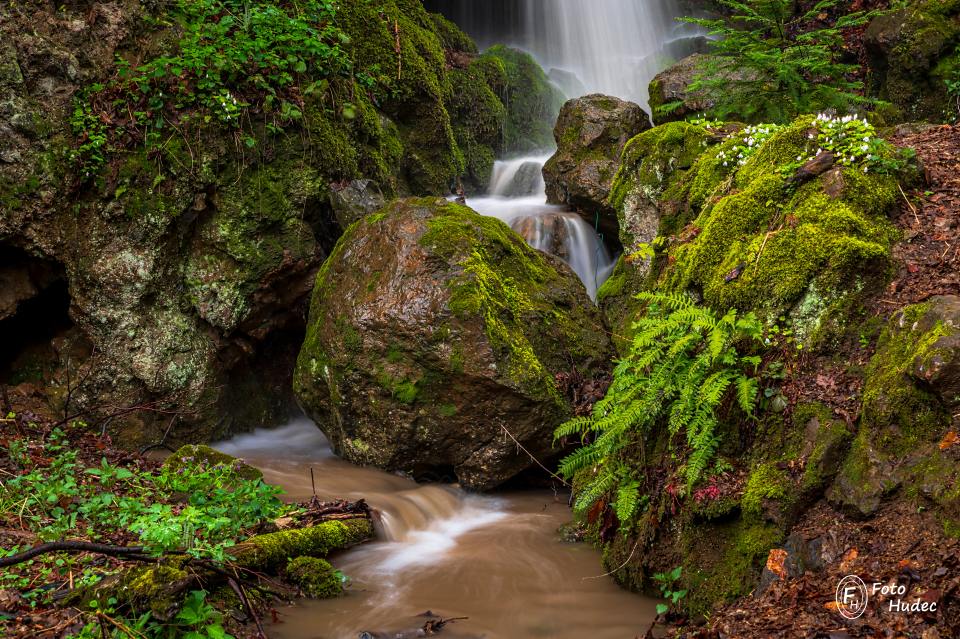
(517, 195)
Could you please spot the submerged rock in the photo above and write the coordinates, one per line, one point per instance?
(435, 331)
(590, 135)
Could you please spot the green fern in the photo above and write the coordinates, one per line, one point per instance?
(682, 367)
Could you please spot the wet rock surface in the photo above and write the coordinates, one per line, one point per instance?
(434, 338)
(590, 135)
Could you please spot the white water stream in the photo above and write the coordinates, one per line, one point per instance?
(517, 196)
(610, 46)
(495, 559)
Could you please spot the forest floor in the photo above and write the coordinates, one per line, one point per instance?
(901, 545)
(68, 468)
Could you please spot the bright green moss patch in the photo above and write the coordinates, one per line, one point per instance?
(763, 243)
(315, 577)
(272, 550)
(765, 482)
(649, 159)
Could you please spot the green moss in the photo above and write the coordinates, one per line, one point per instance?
(829, 446)
(723, 561)
(479, 118)
(900, 414)
(651, 158)
(315, 577)
(273, 550)
(765, 482)
(451, 36)
(447, 410)
(532, 102)
(155, 589)
(764, 244)
(198, 455)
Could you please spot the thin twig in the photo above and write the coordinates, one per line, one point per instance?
(535, 460)
(910, 204)
(238, 588)
(625, 562)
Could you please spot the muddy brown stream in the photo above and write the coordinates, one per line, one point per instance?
(495, 559)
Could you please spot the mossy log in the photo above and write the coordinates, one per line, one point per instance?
(272, 551)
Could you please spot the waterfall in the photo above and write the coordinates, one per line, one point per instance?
(517, 196)
(609, 46)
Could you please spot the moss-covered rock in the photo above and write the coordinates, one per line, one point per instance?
(912, 54)
(155, 589)
(315, 577)
(590, 134)
(531, 101)
(758, 242)
(670, 97)
(902, 418)
(431, 328)
(198, 456)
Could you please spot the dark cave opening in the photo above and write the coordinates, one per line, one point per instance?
(34, 309)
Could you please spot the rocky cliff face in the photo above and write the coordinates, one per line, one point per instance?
(434, 341)
(179, 220)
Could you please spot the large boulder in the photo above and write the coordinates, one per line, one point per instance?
(590, 134)
(909, 396)
(911, 55)
(670, 96)
(434, 338)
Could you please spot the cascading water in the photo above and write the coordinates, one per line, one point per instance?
(517, 196)
(609, 46)
(495, 560)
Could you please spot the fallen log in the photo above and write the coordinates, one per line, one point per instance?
(271, 551)
(70, 546)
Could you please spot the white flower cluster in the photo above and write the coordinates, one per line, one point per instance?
(752, 138)
(230, 108)
(848, 138)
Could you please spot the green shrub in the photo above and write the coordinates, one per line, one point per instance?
(771, 64)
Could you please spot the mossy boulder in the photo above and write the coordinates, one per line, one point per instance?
(648, 205)
(758, 241)
(315, 577)
(590, 134)
(531, 100)
(912, 54)
(670, 97)
(502, 104)
(432, 329)
(194, 456)
(907, 399)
